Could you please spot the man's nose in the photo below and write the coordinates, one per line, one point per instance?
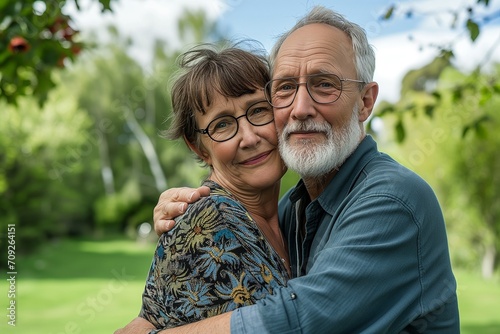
(303, 104)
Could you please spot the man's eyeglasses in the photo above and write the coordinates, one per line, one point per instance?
(223, 128)
(323, 88)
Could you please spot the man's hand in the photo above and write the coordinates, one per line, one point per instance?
(172, 203)
(137, 326)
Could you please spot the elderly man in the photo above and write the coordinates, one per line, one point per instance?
(366, 236)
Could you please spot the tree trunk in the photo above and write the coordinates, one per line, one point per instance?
(106, 170)
(148, 149)
(488, 263)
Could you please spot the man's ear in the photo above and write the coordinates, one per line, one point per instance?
(368, 97)
(200, 152)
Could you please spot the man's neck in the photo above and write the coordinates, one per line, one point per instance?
(316, 185)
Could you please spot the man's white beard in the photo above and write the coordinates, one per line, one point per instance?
(312, 160)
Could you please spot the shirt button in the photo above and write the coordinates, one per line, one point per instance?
(293, 295)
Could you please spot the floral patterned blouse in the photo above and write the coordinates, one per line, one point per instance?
(213, 261)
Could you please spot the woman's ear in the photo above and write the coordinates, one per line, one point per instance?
(200, 152)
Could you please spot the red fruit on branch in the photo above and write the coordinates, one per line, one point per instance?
(18, 44)
(68, 33)
(76, 48)
(60, 61)
(60, 23)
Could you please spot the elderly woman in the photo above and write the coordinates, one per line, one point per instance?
(226, 250)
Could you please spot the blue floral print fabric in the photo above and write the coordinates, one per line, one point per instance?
(213, 261)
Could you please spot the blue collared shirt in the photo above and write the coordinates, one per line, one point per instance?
(372, 258)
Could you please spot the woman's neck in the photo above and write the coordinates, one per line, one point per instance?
(262, 204)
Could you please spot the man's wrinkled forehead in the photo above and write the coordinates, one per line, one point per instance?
(312, 49)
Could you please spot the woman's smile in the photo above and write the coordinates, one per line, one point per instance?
(256, 159)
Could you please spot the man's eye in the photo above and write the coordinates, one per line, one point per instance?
(325, 84)
(286, 86)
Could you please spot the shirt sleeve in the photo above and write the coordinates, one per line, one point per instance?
(367, 277)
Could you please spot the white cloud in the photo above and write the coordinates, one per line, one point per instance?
(396, 54)
(143, 20)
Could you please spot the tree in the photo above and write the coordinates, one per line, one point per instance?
(115, 90)
(454, 145)
(463, 19)
(35, 38)
(36, 147)
(466, 104)
(90, 159)
(476, 161)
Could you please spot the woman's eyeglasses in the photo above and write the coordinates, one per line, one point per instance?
(223, 128)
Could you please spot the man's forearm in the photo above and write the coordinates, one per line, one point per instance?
(137, 326)
(220, 324)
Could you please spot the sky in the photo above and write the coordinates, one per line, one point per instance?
(263, 20)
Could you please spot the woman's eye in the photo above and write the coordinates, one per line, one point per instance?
(260, 109)
(222, 124)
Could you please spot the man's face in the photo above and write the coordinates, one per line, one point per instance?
(316, 138)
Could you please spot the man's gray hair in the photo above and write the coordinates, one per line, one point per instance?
(365, 56)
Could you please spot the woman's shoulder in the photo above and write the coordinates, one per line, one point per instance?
(211, 213)
(219, 199)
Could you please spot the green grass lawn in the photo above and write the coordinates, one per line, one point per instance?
(79, 287)
(95, 287)
(479, 303)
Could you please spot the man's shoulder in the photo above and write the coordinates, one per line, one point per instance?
(385, 168)
(385, 176)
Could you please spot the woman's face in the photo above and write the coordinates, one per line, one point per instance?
(250, 159)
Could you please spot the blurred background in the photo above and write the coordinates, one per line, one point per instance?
(84, 96)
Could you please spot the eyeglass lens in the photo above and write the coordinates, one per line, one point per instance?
(323, 88)
(225, 127)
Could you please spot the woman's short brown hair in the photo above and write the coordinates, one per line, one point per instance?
(208, 70)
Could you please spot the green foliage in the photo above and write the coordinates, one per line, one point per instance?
(90, 160)
(473, 28)
(453, 142)
(288, 181)
(113, 208)
(34, 196)
(471, 19)
(35, 38)
(389, 12)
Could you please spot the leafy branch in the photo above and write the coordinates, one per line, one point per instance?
(35, 39)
